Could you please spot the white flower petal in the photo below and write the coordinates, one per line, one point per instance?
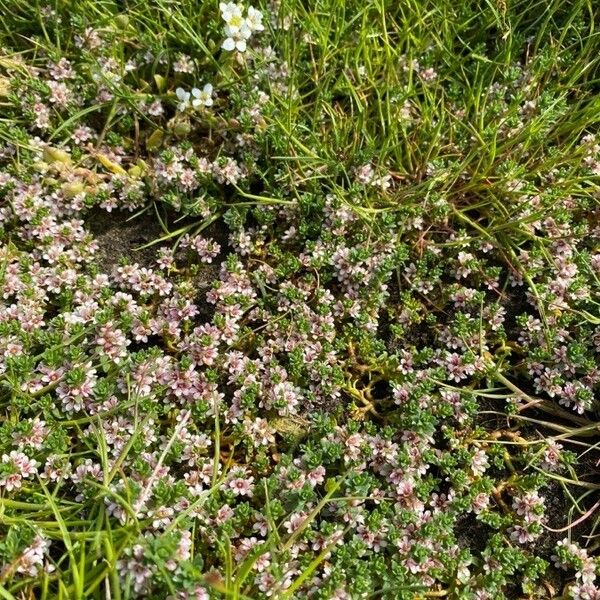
(228, 44)
(245, 31)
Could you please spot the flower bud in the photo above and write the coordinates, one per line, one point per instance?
(56, 155)
(122, 22)
(154, 140)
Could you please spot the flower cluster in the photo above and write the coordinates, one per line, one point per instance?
(195, 98)
(238, 29)
(570, 555)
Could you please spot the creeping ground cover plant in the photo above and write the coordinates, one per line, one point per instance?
(299, 300)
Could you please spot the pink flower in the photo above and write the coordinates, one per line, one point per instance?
(294, 521)
(22, 467)
(241, 486)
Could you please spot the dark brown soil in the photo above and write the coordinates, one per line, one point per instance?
(120, 235)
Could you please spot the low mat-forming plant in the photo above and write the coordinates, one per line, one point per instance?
(361, 358)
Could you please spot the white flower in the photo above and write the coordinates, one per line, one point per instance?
(232, 15)
(238, 28)
(202, 97)
(236, 38)
(184, 98)
(254, 19)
